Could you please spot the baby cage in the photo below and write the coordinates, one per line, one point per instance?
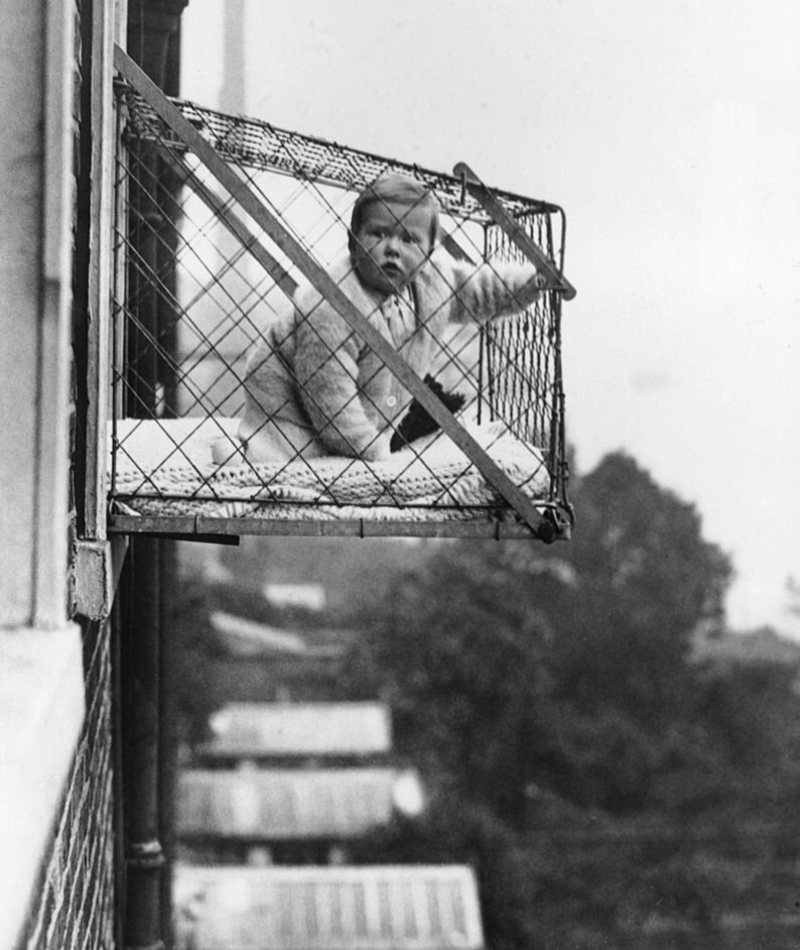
(219, 220)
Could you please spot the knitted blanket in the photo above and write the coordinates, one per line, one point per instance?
(165, 468)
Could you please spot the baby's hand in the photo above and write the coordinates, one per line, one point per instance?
(228, 452)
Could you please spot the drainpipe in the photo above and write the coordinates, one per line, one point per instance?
(153, 43)
(144, 858)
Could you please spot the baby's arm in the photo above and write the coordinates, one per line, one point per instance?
(493, 289)
(326, 367)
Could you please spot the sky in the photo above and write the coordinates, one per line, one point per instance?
(670, 134)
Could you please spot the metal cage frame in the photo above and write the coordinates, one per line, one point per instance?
(177, 146)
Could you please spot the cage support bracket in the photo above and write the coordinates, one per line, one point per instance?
(95, 575)
(323, 283)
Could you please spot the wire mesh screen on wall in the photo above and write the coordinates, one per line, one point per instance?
(75, 908)
(199, 288)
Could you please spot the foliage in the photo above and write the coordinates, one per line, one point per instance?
(508, 665)
(455, 830)
(557, 690)
(644, 582)
(596, 770)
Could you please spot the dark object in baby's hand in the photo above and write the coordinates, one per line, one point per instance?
(418, 422)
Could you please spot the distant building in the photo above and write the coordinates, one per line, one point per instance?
(248, 637)
(414, 907)
(761, 646)
(261, 663)
(298, 733)
(306, 596)
(287, 816)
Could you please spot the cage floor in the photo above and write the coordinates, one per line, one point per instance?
(165, 482)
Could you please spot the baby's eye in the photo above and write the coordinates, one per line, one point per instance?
(411, 239)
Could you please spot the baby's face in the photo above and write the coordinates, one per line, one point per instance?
(391, 244)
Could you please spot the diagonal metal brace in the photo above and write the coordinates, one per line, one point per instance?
(489, 202)
(235, 225)
(323, 283)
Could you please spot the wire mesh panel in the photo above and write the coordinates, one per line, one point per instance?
(75, 907)
(244, 401)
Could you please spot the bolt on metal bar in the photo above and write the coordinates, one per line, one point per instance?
(489, 202)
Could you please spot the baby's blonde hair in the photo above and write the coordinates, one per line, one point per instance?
(397, 189)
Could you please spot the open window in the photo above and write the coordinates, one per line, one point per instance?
(219, 220)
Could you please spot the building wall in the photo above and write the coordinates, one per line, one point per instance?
(30, 357)
(73, 905)
(56, 802)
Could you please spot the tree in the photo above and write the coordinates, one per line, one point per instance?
(556, 695)
(455, 830)
(644, 581)
(509, 664)
(458, 651)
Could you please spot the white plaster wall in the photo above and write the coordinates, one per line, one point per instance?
(37, 75)
(41, 675)
(21, 154)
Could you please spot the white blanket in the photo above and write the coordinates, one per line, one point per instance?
(165, 467)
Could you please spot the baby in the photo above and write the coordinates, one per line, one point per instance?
(313, 388)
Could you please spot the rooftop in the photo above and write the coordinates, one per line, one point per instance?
(299, 730)
(288, 804)
(378, 907)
